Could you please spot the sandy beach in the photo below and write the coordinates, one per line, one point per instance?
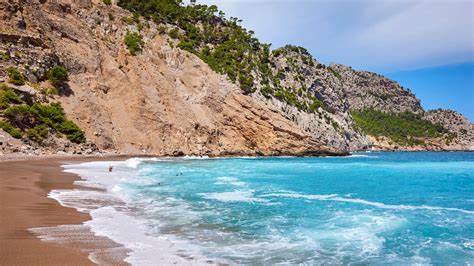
(24, 186)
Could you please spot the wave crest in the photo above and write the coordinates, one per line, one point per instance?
(335, 197)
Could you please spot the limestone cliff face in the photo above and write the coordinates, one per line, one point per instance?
(342, 89)
(364, 89)
(164, 101)
(331, 122)
(167, 101)
(456, 123)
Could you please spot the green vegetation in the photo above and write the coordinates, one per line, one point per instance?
(38, 133)
(127, 20)
(225, 46)
(291, 48)
(314, 105)
(266, 91)
(7, 127)
(134, 42)
(107, 2)
(8, 96)
(161, 29)
(72, 131)
(35, 119)
(335, 73)
(404, 128)
(57, 75)
(50, 91)
(174, 33)
(4, 56)
(15, 76)
(310, 104)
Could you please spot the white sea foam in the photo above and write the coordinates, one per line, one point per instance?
(361, 156)
(295, 195)
(225, 180)
(108, 210)
(469, 244)
(140, 222)
(233, 196)
(132, 233)
(83, 200)
(191, 157)
(350, 234)
(351, 156)
(136, 161)
(335, 197)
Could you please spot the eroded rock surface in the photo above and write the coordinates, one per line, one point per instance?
(166, 101)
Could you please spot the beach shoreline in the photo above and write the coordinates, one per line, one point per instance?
(38, 228)
(24, 189)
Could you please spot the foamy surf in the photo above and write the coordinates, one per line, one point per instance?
(132, 234)
(224, 180)
(233, 196)
(335, 197)
(281, 210)
(108, 209)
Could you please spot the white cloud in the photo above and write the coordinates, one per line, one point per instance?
(378, 35)
(426, 34)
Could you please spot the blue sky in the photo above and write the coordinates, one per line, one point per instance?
(427, 46)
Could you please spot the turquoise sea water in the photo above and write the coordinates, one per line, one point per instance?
(371, 208)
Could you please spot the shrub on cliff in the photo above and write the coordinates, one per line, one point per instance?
(33, 119)
(7, 127)
(53, 116)
(57, 75)
(107, 2)
(246, 83)
(8, 96)
(174, 33)
(335, 73)
(50, 91)
(50, 114)
(72, 131)
(4, 56)
(37, 133)
(20, 116)
(134, 42)
(314, 105)
(266, 91)
(222, 43)
(402, 128)
(15, 76)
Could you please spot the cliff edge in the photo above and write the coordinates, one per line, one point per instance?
(86, 76)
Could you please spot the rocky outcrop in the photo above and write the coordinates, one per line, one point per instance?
(164, 101)
(462, 129)
(342, 89)
(365, 89)
(167, 101)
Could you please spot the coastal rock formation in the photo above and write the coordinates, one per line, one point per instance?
(166, 100)
(365, 89)
(456, 123)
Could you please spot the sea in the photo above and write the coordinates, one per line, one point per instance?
(372, 208)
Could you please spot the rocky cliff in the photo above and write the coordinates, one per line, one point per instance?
(153, 93)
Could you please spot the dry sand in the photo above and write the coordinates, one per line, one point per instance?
(24, 186)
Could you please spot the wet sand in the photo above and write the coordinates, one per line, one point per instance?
(24, 186)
